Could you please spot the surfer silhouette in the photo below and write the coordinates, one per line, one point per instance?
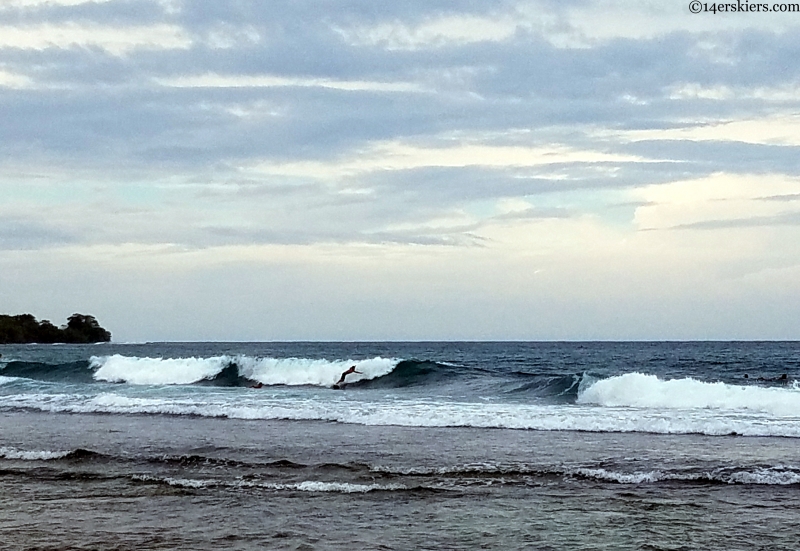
(340, 383)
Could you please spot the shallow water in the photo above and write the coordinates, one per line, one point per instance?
(175, 482)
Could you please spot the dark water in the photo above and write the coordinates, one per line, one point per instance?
(437, 446)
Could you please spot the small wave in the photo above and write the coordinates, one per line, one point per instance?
(339, 487)
(306, 486)
(648, 391)
(31, 455)
(621, 478)
(769, 476)
(520, 474)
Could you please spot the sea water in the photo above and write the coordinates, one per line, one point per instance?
(429, 446)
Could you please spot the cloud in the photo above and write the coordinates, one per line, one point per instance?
(785, 197)
(12, 80)
(20, 234)
(447, 30)
(16, 4)
(788, 218)
(721, 200)
(117, 41)
(429, 142)
(271, 81)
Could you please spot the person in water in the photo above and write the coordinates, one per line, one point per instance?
(340, 382)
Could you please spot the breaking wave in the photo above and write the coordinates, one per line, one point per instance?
(235, 370)
(650, 392)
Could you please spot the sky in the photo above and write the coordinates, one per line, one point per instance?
(247, 170)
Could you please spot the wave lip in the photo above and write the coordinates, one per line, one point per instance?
(648, 391)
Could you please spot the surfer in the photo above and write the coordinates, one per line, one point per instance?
(340, 383)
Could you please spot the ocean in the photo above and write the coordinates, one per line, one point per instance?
(505, 445)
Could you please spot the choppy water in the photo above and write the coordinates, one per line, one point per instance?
(432, 446)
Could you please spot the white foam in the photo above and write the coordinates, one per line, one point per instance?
(648, 391)
(759, 476)
(306, 486)
(4, 380)
(338, 487)
(621, 478)
(778, 477)
(13, 453)
(156, 371)
(177, 482)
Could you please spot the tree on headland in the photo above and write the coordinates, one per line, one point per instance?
(82, 328)
(23, 329)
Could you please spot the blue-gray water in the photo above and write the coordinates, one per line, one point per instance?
(433, 446)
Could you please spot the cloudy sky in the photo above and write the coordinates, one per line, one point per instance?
(421, 170)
